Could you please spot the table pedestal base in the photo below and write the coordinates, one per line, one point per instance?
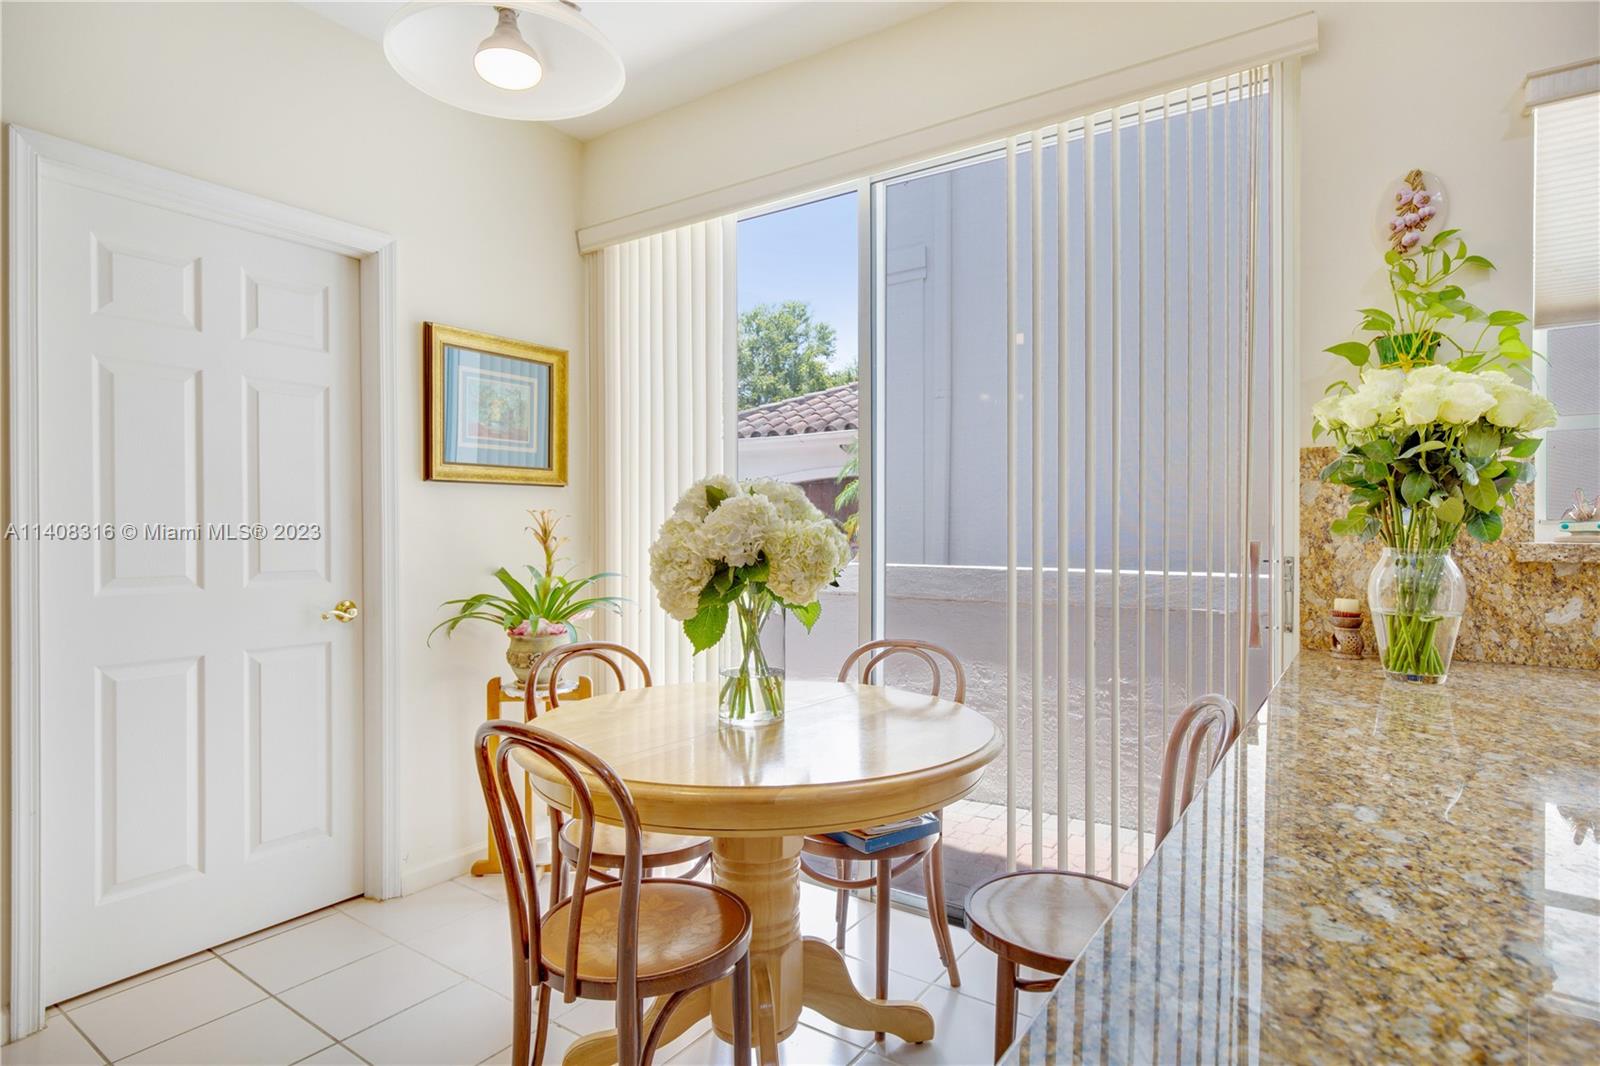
(788, 973)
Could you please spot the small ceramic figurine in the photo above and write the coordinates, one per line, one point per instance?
(1346, 628)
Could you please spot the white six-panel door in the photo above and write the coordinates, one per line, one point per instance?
(199, 396)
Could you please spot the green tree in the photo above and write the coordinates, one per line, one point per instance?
(849, 481)
(784, 353)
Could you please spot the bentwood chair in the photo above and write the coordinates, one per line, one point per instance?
(627, 940)
(890, 862)
(1044, 918)
(660, 850)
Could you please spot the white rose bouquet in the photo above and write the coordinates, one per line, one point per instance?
(1433, 437)
(750, 548)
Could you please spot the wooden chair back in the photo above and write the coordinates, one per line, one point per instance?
(1211, 718)
(585, 773)
(931, 654)
(605, 651)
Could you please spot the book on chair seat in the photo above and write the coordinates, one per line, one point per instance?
(877, 837)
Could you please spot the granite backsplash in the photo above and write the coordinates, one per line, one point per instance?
(1518, 611)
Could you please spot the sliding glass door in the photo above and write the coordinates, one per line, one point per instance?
(798, 387)
(1106, 459)
(1062, 460)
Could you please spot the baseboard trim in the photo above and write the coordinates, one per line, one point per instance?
(440, 870)
(451, 866)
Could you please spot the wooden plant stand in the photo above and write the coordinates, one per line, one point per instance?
(502, 691)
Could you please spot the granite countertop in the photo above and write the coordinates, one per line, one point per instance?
(1377, 872)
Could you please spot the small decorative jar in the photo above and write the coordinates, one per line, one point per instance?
(1345, 622)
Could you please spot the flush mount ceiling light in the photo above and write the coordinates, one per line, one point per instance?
(541, 59)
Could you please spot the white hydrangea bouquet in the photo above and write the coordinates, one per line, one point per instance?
(753, 548)
(1432, 440)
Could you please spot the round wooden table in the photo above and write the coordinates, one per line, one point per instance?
(845, 755)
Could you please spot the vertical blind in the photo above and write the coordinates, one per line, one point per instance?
(1158, 353)
(661, 338)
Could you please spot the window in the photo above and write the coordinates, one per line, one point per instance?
(1566, 296)
(1571, 456)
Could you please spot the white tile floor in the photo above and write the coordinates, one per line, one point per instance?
(426, 980)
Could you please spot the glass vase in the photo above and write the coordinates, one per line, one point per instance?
(751, 688)
(1417, 599)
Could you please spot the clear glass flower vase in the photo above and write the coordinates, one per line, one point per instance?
(1417, 599)
(750, 689)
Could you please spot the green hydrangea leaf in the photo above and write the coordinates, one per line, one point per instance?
(808, 613)
(705, 629)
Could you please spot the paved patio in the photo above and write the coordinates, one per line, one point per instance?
(975, 848)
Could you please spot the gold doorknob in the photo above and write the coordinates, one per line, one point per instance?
(343, 611)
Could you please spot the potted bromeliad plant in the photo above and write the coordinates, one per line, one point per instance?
(752, 550)
(1433, 437)
(536, 617)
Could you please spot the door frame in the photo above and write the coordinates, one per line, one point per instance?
(35, 156)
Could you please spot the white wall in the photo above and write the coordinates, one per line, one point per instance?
(1391, 87)
(276, 101)
(958, 60)
(1377, 100)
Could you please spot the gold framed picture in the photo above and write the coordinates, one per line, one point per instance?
(493, 409)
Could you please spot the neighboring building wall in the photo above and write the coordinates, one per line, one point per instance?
(945, 364)
(795, 457)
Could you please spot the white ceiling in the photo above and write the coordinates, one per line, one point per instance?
(675, 52)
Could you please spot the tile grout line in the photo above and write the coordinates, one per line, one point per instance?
(192, 1028)
(226, 1014)
(258, 938)
(64, 1009)
(315, 977)
(212, 952)
(402, 1010)
(419, 932)
(86, 1039)
(270, 995)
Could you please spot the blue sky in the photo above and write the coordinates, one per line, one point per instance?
(806, 253)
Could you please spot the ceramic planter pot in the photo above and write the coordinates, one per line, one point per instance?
(523, 652)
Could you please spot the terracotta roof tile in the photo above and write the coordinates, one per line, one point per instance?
(816, 412)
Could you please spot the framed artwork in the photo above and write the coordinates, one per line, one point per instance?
(494, 409)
